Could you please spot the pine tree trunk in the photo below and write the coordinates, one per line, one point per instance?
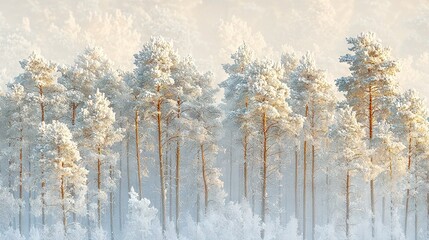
(245, 143)
(111, 207)
(63, 205)
(206, 188)
(347, 205)
(161, 165)
(128, 163)
(245, 164)
(391, 199)
(415, 206)
(313, 209)
(304, 192)
(371, 120)
(296, 181)
(415, 219)
(407, 197)
(264, 171)
(136, 130)
(20, 183)
(42, 111)
(74, 106)
(99, 187)
(178, 171)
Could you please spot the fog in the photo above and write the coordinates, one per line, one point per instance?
(209, 30)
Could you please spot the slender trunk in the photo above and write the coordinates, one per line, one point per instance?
(407, 197)
(313, 209)
(88, 212)
(348, 205)
(112, 235)
(264, 177)
(128, 163)
(245, 143)
(230, 172)
(383, 210)
(63, 206)
(161, 164)
(415, 208)
(178, 171)
(296, 181)
(42, 111)
(370, 119)
(73, 122)
(74, 107)
(20, 183)
(136, 129)
(206, 188)
(99, 187)
(391, 198)
(245, 164)
(304, 192)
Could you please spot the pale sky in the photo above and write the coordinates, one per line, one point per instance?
(210, 30)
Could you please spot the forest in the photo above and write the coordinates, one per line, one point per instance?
(92, 151)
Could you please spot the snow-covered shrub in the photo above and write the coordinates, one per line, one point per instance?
(9, 206)
(142, 221)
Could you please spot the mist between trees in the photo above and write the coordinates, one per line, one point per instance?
(94, 152)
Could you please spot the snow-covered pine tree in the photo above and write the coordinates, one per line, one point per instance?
(349, 153)
(153, 72)
(14, 112)
(99, 134)
(371, 88)
(270, 111)
(43, 92)
(390, 156)
(412, 128)
(204, 133)
(236, 101)
(289, 63)
(313, 98)
(182, 94)
(66, 176)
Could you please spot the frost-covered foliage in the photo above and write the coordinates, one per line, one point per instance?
(8, 208)
(142, 221)
(65, 174)
(279, 153)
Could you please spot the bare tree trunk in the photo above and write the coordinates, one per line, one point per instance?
(99, 186)
(136, 129)
(161, 165)
(206, 188)
(178, 171)
(264, 177)
(407, 197)
(348, 205)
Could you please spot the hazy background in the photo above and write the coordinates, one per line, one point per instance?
(210, 30)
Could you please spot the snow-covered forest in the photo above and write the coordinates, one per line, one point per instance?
(253, 143)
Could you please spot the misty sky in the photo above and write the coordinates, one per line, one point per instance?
(210, 30)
